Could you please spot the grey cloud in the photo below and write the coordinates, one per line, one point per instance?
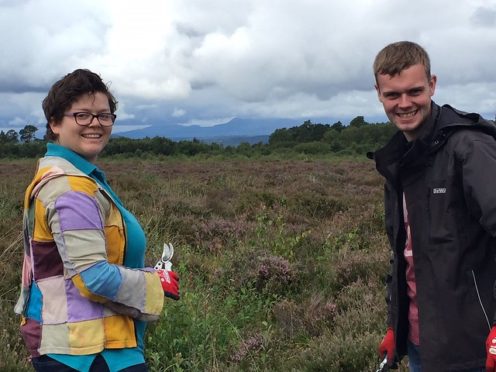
(484, 16)
(10, 85)
(42, 40)
(240, 57)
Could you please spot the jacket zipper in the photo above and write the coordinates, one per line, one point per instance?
(480, 301)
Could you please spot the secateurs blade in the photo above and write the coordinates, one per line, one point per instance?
(165, 261)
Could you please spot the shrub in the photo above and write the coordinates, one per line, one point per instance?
(282, 259)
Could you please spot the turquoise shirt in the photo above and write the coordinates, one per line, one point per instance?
(116, 359)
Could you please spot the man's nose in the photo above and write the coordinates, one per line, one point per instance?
(404, 101)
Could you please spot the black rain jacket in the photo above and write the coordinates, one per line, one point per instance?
(449, 180)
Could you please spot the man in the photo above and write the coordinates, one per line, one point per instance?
(440, 205)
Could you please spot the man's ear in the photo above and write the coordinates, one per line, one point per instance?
(432, 84)
(378, 91)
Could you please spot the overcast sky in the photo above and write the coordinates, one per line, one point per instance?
(207, 61)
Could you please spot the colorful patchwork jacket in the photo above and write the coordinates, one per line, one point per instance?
(83, 299)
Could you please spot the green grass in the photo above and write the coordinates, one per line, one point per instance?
(282, 262)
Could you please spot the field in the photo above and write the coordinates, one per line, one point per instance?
(282, 262)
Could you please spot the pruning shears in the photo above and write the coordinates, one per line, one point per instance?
(165, 262)
(384, 367)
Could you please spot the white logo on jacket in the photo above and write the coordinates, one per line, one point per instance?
(439, 190)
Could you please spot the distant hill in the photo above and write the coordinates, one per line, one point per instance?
(236, 140)
(248, 129)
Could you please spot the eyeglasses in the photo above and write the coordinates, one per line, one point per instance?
(105, 119)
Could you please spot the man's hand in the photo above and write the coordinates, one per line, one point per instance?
(170, 283)
(387, 346)
(491, 351)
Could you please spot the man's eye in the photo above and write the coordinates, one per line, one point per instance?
(82, 115)
(392, 96)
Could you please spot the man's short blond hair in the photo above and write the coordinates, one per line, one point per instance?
(396, 57)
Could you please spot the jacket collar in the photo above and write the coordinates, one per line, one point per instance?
(399, 153)
(75, 159)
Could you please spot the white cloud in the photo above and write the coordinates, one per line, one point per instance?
(206, 122)
(177, 113)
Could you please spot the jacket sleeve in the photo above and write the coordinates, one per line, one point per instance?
(75, 219)
(478, 159)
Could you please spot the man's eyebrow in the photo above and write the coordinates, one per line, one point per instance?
(390, 93)
(411, 90)
(416, 89)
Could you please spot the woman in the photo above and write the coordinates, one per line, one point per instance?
(85, 293)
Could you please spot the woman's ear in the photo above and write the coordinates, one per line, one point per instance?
(54, 126)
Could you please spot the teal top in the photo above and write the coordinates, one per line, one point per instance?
(116, 359)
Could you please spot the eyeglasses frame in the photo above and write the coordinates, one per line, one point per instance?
(74, 115)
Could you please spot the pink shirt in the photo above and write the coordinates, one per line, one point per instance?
(413, 318)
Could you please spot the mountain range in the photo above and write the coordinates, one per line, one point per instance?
(234, 131)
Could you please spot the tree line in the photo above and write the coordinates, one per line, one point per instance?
(25, 135)
(356, 138)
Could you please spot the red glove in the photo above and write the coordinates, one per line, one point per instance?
(387, 346)
(491, 351)
(170, 283)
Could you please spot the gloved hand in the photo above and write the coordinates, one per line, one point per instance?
(170, 283)
(491, 351)
(387, 346)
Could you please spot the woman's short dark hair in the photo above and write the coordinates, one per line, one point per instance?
(68, 90)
